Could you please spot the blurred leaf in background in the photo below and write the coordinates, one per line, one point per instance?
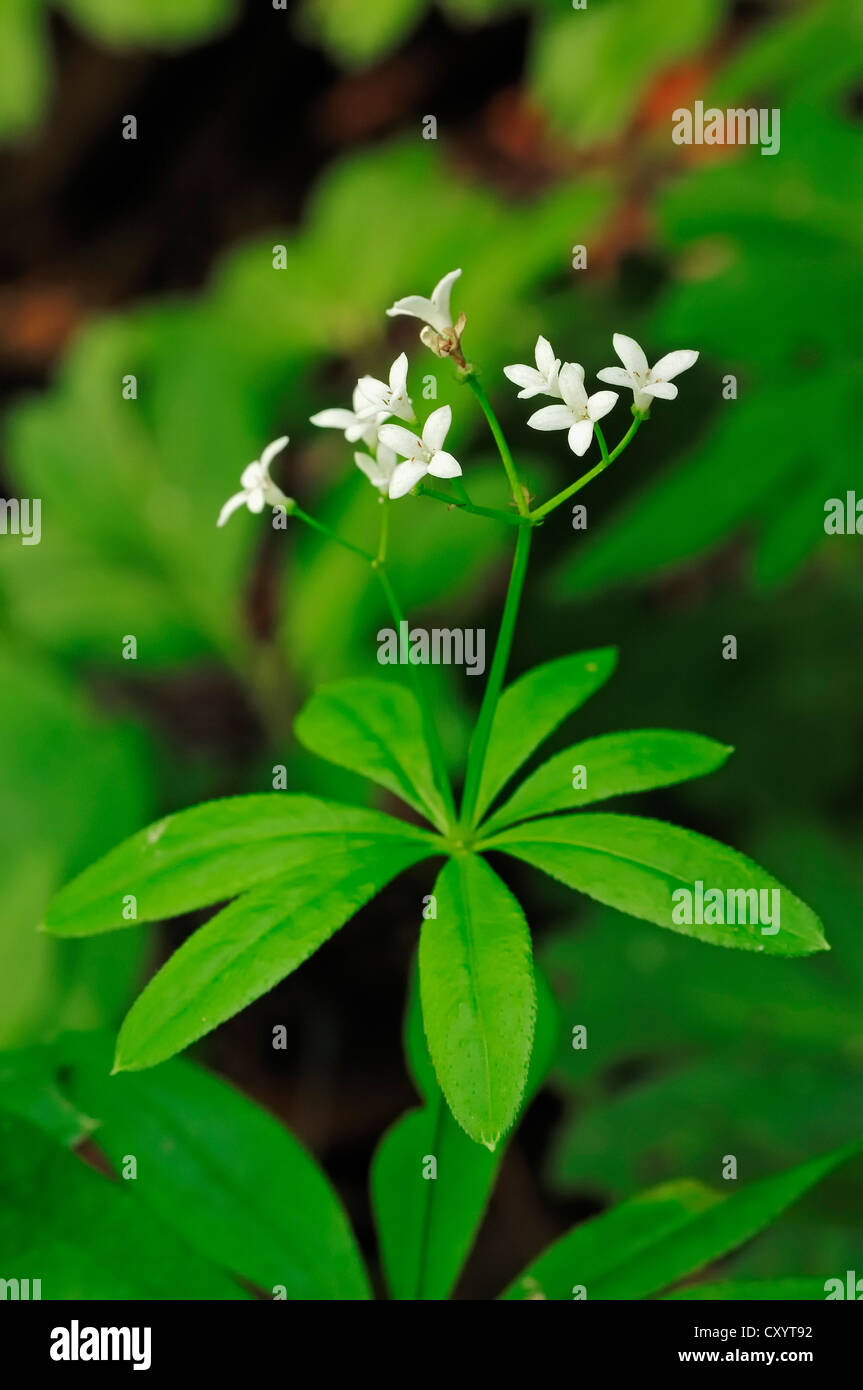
(25, 80)
(70, 781)
(765, 252)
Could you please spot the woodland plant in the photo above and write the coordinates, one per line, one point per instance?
(297, 867)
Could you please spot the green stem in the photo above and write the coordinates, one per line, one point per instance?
(500, 440)
(432, 737)
(581, 482)
(482, 732)
(494, 512)
(385, 527)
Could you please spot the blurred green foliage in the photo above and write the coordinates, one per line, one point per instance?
(25, 78)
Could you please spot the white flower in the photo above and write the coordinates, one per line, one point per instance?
(578, 412)
(435, 311)
(646, 382)
(421, 454)
(538, 381)
(379, 470)
(357, 424)
(258, 487)
(382, 398)
(439, 333)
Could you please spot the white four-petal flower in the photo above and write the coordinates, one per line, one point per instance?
(646, 382)
(421, 454)
(541, 380)
(578, 412)
(258, 487)
(386, 398)
(357, 424)
(436, 311)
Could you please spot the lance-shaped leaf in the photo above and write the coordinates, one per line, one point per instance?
(596, 1248)
(427, 1221)
(532, 707)
(612, 765)
(209, 853)
(478, 996)
(375, 728)
(646, 1244)
(259, 1206)
(85, 1236)
(248, 947)
(636, 864)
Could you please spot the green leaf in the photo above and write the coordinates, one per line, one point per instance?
(478, 996)
(374, 728)
(532, 707)
(23, 66)
(636, 761)
(588, 70)
(649, 1242)
(747, 1289)
(356, 36)
(87, 1237)
(211, 852)
(260, 1207)
(596, 1249)
(636, 864)
(165, 22)
(28, 1088)
(426, 1226)
(250, 946)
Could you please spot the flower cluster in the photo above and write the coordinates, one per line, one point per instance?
(395, 458)
(578, 412)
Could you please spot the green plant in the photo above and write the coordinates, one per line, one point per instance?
(197, 1218)
(298, 867)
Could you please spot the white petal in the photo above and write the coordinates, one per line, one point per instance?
(435, 428)
(630, 354)
(571, 384)
(271, 450)
(521, 375)
(399, 375)
(363, 425)
(403, 408)
(443, 465)
(255, 499)
(600, 403)
(372, 469)
(403, 441)
(415, 307)
(551, 417)
(546, 362)
(273, 495)
(232, 504)
(580, 436)
(673, 363)
(666, 390)
(252, 475)
(440, 299)
(386, 459)
(336, 419)
(406, 476)
(617, 376)
(370, 395)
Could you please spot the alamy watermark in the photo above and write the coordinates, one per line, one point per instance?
(437, 646)
(727, 907)
(21, 517)
(736, 126)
